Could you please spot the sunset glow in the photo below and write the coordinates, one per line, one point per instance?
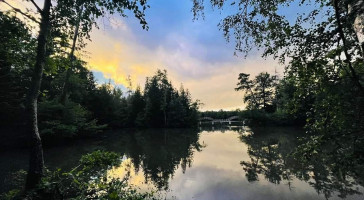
(194, 52)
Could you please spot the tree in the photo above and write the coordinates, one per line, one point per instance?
(290, 103)
(324, 46)
(16, 58)
(157, 94)
(136, 105)
(326, 27)
(36, 163)
(260, 92)
(82, 16)
(167, 107)
(95, 10)
(356, 13)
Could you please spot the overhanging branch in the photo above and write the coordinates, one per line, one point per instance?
(21, 12)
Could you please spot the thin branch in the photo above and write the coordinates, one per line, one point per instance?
(21, 12)
(36, 5)
(354, 76)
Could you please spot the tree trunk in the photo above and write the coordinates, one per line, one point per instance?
(356, 9)
(264, 96)
(348, 59)
(36, 162)
(63, 98)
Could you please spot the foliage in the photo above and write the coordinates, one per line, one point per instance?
(135, 108)
(16, 58)
(167, 107)
(88, 180)
(89, 107)
(259, 117)
(108, 105)
(260, 92)
(65, 121)
(323, 83)
(85, 14)
(263, 25)
(160, 105)
(221, 114)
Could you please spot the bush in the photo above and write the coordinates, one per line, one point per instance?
(65, 121)
(88, 180)
(259, 117)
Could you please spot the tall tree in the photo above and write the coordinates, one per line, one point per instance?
(63, 11)
(36, 163)
(260, 92)
(82, 17)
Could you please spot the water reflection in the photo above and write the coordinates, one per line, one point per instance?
(271, 156)
(157, 154)
(212, 163)
(220, 157)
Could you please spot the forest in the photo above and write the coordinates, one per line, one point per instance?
(86, 107)
(48, 94)
(70, 103)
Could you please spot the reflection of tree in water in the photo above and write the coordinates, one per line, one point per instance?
(271, 156)
(159, 153)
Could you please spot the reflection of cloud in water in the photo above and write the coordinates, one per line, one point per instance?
(136, 178)
(213, 183)
(216, 172)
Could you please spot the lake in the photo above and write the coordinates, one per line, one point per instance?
(210, 163)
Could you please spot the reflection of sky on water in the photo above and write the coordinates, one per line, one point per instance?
(216, 173)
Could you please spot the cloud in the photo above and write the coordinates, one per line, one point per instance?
(211, 82)
(193, 53)
(216, 173)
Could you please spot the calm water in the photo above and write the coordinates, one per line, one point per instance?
(232, 163)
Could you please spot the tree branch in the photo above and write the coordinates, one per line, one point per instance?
(21, 12)
(36, 5)
(354, 76)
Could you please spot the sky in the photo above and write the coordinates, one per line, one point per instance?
(194, 53)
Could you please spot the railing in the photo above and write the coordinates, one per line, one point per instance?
(228, 120)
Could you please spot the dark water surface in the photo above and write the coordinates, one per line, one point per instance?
(230, 163)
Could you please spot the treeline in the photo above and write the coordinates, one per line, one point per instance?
(270, 100)
(159, 105)
(87, 107)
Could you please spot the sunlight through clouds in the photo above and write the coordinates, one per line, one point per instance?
(194, 53)
(211, 82)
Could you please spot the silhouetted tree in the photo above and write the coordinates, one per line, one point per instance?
(260, 92)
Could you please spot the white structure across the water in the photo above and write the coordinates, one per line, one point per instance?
(213, 121)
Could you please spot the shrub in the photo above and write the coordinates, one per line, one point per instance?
(88, 180)
(65, 121)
